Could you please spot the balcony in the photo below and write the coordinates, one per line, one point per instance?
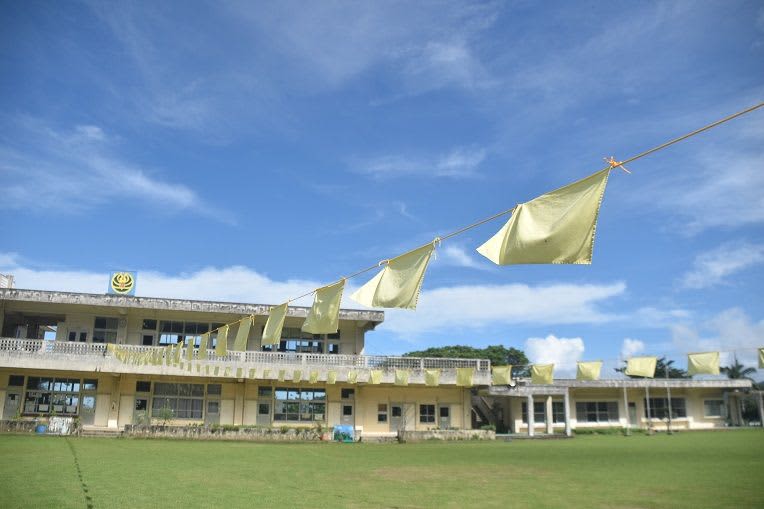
(71, 356)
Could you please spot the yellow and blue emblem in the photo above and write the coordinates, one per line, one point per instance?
(122, 283)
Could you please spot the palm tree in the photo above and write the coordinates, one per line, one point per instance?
(736, 371)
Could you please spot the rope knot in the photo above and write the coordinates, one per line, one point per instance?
(615, 164)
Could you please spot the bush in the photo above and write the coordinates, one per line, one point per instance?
(488, 427)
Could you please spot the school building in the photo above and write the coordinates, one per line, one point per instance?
(54, 360)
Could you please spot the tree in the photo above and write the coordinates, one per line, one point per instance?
(736, 371)
(497, 354)
(662, 367)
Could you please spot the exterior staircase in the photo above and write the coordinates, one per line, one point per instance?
(100, 432)
(482, 412)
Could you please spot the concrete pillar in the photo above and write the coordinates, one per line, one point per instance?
(529, 407)
(566, 404)
(761, 408)
(549, 415)
(626, 410)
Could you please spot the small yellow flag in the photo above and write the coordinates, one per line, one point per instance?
(542, 374)
(401, 377)
(324, 316)
(556, 227)
(464, 376)
(314, 376)
(274, 325)
(432, 377)
(217, 371)
(375, 376)
(266, 373)
(501, 375)
(331, 377)
(352, 376)
(297, 375)
(240, 343)
(227, 372)
(703, 363)
(203, 344)
(588, 370)
(398, 284)
(239, 373)
(641, 366)
(207, 370)
(252, 373)
(282, 375)
(190, 349)
(221, 348)
(761, 358)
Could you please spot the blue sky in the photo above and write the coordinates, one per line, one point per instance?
(251, 152)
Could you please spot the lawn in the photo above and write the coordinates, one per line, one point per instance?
(700, 469)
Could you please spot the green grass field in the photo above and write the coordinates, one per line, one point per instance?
(714, 469)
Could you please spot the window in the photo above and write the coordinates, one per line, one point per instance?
(347, 393)
(713, 408)
(174, 332)
(149, 325)
(426, 413)
(141, 404)
(558, 411)
(105, 330)
(297, 341)
(83, 336)
(382, 412)
(659, 408)
(347, 410)
(148, 340)
(265, 391)
(539, 414)
(185, 400)
(141, 386)
(213, 407)
(59, 396)
(89, 384)
(597, 411)
(16, 381)
(263, 409)
(214, 389)
(301, 405)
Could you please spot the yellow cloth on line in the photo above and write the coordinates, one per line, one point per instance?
(266, 373)
(703, 363)
(432, 377)
(190, 349)
(556, 227)
(282, 375)
(297, 375)
(401, 377)
(178, 351)
(240, 343)
(239, 372)
(274, 325)
(398, 284)
(331, 377)
(588, 370)
(324, 316)
(375, 376)
(217, 370)
(501, 375)
(464, 376)
(189, 367)
(207, 370)
(641, 366)
(203, 343)
(352, 376)
(542, 374)
(198, 368)
(221, 347)
(227, 372)
(168, 355)
(761, 358)
(252, 372)
(313, 378)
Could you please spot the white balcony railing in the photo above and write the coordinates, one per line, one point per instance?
(66, 350)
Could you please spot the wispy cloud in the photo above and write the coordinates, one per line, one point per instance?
(458, 256)
(460, 162)
(77, 170)
(713, 267)
(631, 347)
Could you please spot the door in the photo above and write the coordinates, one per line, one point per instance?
(402, 416)
(444, 417)
(633, 415)
(264, 412)
(87, 416)
(12, 404)
(78, 335)
(141, 411)
(212, 415)
(347, 415)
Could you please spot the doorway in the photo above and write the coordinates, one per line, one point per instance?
(264, 412)
(402, 416)
(444, 416)
(88, 408)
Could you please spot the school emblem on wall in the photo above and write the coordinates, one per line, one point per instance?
(122, 283)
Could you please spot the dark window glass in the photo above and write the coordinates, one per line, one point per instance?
(397, 411)
(89, 384)
(142, 386)
(347, 393)
(264, 391)
(444, 411)
(148, 339)
(149, 324)
(347, 410)
(72, 336)
(213, 389)
(263, 409)
(426, 413)
(16, 380)
(141, 404)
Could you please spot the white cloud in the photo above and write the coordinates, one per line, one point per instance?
(460, 162)
(712, 267)
(731, 330)
(471, 307)
(564, 353)
(458, 256)
(631, 347)
(76, 170)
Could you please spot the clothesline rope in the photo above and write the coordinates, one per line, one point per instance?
(612, 164)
